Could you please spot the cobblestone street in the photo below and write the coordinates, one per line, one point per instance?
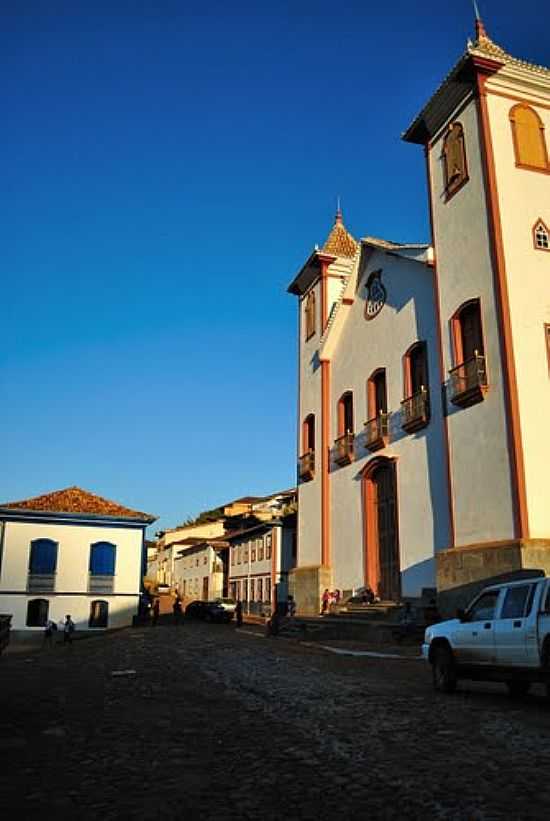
(221, 723)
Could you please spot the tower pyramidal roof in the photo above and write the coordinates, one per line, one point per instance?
(340, 242)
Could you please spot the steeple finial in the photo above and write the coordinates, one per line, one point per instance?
(338, 210)
(480, 28)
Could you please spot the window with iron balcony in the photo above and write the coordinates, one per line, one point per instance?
(377, 425)
(306, 462)
(415, 407)
(344, 443)
(468, 378)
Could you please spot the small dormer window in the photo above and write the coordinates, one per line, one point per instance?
(541, 236)
(454, 159)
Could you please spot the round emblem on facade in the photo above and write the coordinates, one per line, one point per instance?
(376, 295)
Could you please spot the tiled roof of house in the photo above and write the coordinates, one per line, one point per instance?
(190, 540)
(340, 242)
(76, 500)
(392, 246)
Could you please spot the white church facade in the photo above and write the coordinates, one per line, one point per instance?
(424, 382)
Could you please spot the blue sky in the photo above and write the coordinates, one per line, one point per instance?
(167, 170)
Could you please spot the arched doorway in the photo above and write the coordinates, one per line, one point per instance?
(382, 566)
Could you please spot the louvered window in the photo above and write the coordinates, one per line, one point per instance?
(528, 137)
(454, 159)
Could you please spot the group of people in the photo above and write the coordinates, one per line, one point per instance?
(329, 598)
(66, 627)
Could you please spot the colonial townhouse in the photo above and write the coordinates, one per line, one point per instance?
(71, 552)
(424, 369)
(199, 568)
(260, 559)
(161, 567)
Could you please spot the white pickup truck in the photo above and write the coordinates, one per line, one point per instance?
(504, 635)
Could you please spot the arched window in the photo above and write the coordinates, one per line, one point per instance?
(528, 138)
(377, 395)
(345, 413)
(310, 311)
(99, 614)
(541, 236)
(468, 379)
(454, 159)
(415, 404)
(42, 566)
(308, 434)
(102, 567)
(37, 612)
(377, 424)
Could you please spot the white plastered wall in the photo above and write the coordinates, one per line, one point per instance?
(480, 465)
(524, 197)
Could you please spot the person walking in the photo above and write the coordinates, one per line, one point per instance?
(156, 612)
(68, 630)
(49, 629)
(239, 613)
(176, 607)
(325, 599)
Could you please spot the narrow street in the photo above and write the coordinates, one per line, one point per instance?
(219, 723)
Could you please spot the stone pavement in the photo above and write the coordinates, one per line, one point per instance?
(208, 721)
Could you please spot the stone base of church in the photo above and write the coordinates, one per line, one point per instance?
(307, 584)
(463, 571)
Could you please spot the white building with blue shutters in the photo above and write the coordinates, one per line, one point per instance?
(71, 552)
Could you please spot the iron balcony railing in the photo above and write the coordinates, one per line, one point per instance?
(377, 431)
(468, 381)
(306, 465)
(101, 584)
(416, 409)
(343, 448)
(41, 582)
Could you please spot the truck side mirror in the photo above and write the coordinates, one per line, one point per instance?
(460, 614)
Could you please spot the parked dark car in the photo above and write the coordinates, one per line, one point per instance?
(208, 611)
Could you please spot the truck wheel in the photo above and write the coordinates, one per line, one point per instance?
(443, 670)
(517, 689)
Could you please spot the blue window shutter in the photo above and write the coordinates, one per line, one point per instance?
(43, 558)
(102, 559)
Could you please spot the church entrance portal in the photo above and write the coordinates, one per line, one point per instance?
(381, 534)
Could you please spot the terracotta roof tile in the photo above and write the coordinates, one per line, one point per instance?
(76, 500)
(340, 242)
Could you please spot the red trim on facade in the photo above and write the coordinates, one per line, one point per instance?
(515, 446)
(325, 463)
(442, 372)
